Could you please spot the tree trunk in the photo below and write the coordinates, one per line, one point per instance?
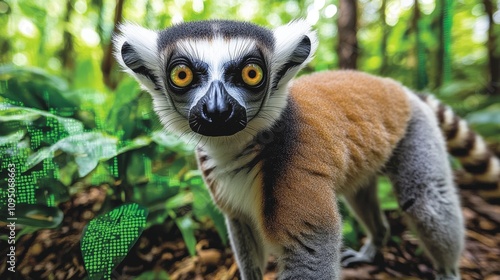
(383, 44)
(443, 74)
(67, 53)
(446, 37)
(493, 51)
(347, 49)
(420, 51)
(108, 64)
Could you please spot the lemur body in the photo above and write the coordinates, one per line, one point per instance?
(310, 156)
(276, 154)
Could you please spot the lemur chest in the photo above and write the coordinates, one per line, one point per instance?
(235, 185)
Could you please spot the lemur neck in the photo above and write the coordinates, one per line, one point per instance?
(227, 149)
(248, 146)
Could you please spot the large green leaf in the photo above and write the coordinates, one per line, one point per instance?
(107, 239)
(35, 88)
(25, 116)
(88, 148)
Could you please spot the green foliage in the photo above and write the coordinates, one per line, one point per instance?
(386, 195)
(107, 239)
(56, 144)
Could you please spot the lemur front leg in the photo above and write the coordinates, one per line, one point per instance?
(247, 247)
(314, 255)
(365, 206)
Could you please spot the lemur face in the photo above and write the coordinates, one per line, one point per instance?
(216, 78)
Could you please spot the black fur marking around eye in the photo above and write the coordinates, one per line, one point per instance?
(199, 69)
(209, 29)
(298, 56)
(133, 61)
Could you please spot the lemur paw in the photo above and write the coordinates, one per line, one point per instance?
(368, 254)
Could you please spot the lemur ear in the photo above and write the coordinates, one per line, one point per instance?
(295, 44)
(135, 49)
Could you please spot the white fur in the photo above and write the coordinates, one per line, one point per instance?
(463, 130)
(287, 37)
(144, 42)
(233, 189)
(493, 172)
(433, 102)
(448, 118)
(478, 151)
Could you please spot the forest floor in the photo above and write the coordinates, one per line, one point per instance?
(56, 254)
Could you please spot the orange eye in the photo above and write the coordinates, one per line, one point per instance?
(181, 75)
(252, 74)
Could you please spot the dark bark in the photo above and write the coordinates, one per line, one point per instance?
(347, 48)
(438, 81)
(67, 55)
(443, 58)
(493, 51)
(420, 52)
(108, 65)
(385, 33)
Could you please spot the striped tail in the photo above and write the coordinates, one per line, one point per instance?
(479, 162)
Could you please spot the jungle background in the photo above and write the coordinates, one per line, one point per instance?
(103, 192)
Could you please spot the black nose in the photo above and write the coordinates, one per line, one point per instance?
(217, 113)
(217, 110)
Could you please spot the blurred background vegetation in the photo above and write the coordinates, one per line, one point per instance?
(70, 119)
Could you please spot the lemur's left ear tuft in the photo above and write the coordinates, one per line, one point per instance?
(135, 49)
(295, 44)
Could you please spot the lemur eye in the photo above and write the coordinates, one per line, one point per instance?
(181, 75)
(252, 74)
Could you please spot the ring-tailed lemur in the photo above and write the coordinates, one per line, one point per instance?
(276, 153)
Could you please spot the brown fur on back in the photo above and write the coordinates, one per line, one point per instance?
(349, 123)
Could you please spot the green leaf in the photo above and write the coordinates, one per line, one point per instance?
(186, 226)
(136, 143)
(88, 149)
(172, 142)
(35, 88)
(107, 239)
(27, 115)
(126, 92)
(179, 200)
(12, 138)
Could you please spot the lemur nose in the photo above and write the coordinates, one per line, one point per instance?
(217, 107)
(217, 112)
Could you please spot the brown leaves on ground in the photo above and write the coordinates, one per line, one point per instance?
(55, 253)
